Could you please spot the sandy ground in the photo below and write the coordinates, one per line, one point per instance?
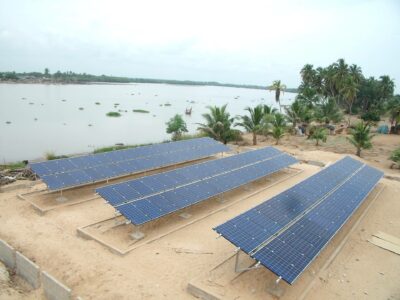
(158, 271)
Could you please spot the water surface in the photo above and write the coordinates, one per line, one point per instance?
(41, 121)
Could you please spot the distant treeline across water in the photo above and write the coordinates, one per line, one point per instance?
(76, 78)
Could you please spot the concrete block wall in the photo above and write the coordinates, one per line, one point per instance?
(28, 270)
(53, 289)
(7, 255)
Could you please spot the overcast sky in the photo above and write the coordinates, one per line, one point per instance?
(253, 42)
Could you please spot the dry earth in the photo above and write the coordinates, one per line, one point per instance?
(159, 271)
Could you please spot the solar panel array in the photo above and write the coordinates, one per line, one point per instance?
(69, 172)
(152, 197)
(119, 193)
(288, 231)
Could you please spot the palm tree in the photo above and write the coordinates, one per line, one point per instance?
(386, 87)
(279, 127)
(319, 134)
(218, 124)
(341, 72)
(278, 87)
(253, 123)
(176, 125)
(297, 112)
(393, 108)
(308, 74)
(349, 91)
(328, 111)
(361, 137)
(356, 73)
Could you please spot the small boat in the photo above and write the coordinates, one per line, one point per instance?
(188, 111)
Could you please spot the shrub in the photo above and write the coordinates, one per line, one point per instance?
(113, 114)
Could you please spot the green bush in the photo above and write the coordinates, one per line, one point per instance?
(141, 111)
(113, 114)
(371, 116)
(395, 156)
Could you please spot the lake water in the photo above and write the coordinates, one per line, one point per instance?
(42, 122)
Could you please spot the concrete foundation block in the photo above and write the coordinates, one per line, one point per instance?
(28, 270)
(7, 255)
(53, 289)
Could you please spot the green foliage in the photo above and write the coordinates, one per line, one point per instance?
(371, 116)
(278, 127)
(328, 111)
(319, 134)
(51, 156)
(218, 124)
(393, 108)
(361, 137)
(71, 77)
(13, 166)
(346, 85)
(113, 114)
(176, 125)
(117, 147)
(395, 156)
(253, 123)
(298, 112)
(186, 136)
(143, 111)
(279, 88)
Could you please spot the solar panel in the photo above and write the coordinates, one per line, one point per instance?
(139, 188)
(69, 172)
(158, 205)
(285, 236)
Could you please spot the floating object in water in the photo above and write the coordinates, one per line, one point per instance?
(188, 111)
(35, 119)
(63, 100)
(81, 108)
(31, 103)
(8, 122)
(23, 98)
(90, 125)
(97, 103)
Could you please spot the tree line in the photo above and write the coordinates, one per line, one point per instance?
(71, 77)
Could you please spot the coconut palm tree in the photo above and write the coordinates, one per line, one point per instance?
(253, 123)
(298, 112)
(218, 124)
(328, 111)
(278, 87)
(356, 73)
(361, 137)
(319, 134)
(393, 108)
(386, 87)
(341, 72)
(349, 92)
(308, 74)
(278, 127)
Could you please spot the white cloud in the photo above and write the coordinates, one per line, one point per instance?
(240, 41)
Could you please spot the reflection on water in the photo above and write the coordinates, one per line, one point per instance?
(37, 118)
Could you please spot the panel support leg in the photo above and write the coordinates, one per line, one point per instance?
(61, 199)
(137, 234)
(240, 270)
(275, 289)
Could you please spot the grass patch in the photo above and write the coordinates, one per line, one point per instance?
(13, 166)
(192, 136)
(141, 111)
(51, 156)
(113, 114)
(116, 147)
